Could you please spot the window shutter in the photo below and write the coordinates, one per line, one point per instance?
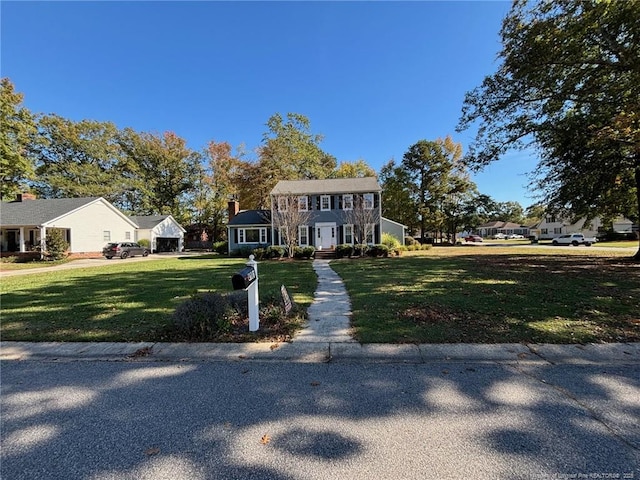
(376, 200)
(235, 236)
(317, 202)
(340, 234)
(333, 202)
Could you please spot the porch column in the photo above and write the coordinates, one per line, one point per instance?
(22, 245)
(43, 241)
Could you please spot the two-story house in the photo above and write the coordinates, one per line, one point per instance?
(332, 212)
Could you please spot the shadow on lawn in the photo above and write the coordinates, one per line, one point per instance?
(127, 304)
(494, 298)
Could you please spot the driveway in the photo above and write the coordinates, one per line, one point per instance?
(95, 262)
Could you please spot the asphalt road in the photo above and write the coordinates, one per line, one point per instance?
(279, 420)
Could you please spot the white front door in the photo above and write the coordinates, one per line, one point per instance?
(326, 236)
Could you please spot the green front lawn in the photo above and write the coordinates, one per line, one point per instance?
(492, 295)
(129, 301)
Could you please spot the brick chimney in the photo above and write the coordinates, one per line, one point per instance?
(21, 197)
(234, 208)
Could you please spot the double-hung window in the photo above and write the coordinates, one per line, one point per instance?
(348, 234)
(325, 203)
(368, 201)
(347, 202)
(282, 204)
(303, 235)
(303, 204)
(368, 233)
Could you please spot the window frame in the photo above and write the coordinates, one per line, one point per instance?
(347, 229)
(368, 201)
(303, 201)
(303, 232)
(106, 235)
(347, 198)
(322, 200)
(242, 235)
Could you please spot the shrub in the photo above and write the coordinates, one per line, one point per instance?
(360, 249)
(56, 245)
(144, 243)
(390, 241)
(344, 250)
(259, 253)
(204, 315)
(275, 251)
(221, 247)
(408, 241)
(378, 251)
(308, 252)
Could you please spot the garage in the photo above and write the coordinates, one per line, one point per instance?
(167, 244)
(162, 231)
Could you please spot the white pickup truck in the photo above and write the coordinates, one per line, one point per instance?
(574, 239)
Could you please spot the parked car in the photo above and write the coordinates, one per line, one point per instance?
(515, 236)
(574, 239)
(124, 250)
(499, 236)
(473, 238)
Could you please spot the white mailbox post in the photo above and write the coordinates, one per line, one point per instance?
(253, 298)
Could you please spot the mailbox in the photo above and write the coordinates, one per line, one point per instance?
(243, 278)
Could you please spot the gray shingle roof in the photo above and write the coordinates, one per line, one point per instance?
(148, 222)
(251, 217)
(38, 212)
(328, 186)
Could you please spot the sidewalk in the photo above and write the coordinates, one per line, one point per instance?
(325, 338)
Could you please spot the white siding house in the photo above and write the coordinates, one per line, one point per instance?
(163, 232)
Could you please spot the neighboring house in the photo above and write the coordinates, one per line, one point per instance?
(507, 228)
(88, 223)
(336, 211)
(164, 233)
(551, 227)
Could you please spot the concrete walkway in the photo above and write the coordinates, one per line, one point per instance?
(325, 338)
(330, 313)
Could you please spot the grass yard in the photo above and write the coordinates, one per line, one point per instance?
(495, 295)
(129, 301)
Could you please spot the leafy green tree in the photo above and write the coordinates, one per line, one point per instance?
(434, 173)
(217, 187)
(77, 159)
(397, 201)
(568, 83)
(163, 173)
(289, 151)
(17, 127)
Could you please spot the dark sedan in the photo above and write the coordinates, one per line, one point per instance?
(124, 250)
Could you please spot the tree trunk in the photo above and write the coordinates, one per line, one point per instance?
(637, 175)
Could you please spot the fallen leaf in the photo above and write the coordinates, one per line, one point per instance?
(242, 356)
(142, 352)
(445, 372)
(274, 346)
(152, 451)
(245, 371)
(315, 384)
(523, 355)
(265, 439)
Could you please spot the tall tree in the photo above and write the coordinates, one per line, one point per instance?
(434, 172)
(218, 186)
(17, 127)
(164, 171)
(397, 201)
(289, 151)
(288, 217)
(569, 83)
(77, 159)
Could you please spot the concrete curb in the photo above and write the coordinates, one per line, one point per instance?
(324, 352)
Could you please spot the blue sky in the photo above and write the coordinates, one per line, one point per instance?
(372, 77)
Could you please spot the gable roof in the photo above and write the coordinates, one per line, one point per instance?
(44, 211)
(149, 222)
(327, 186)
(251, 217)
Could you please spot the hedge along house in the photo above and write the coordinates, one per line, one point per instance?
(87, 224)
(163, 232)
